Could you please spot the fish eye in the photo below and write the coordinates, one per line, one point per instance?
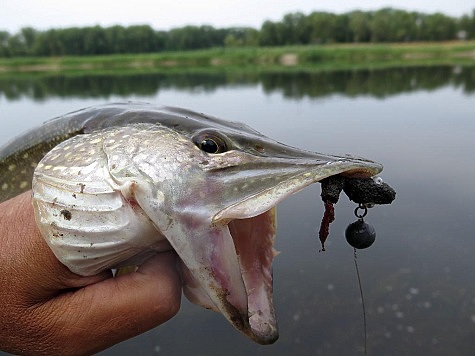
(210, 143)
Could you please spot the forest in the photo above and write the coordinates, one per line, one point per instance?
(381, 26)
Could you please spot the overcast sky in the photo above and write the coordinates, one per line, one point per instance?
(164, 15)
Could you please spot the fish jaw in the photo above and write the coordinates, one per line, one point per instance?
(228, 269)
(254, 241)
(210, 263)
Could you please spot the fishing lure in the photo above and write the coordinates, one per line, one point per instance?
(366, 192)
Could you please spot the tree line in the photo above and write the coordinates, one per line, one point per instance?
(385, 25)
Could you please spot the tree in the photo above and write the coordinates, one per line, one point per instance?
(467, 25)
(437, 27)
(342, 32)
(359, 26)
(241, 36)
(17, 46)
(295, 29)
(4, 44)
(138, 39)
(94, 40)
(271, 34)
(28, 35)
(403, 26)
(380, 25)
(48, 43)
(116, 37)
(323, 27)
(251, 37)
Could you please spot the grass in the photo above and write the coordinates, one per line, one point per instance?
(336, 56)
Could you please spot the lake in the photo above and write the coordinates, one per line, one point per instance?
(418, 277)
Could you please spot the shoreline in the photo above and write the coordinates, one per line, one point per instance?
(315, 57)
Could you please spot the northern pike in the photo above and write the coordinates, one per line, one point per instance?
(114, 184)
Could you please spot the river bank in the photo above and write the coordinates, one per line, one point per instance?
(317, 57)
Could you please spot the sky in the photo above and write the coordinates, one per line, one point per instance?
(167, 14)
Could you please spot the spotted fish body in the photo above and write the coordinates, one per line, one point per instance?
(19, 158)
(137, 179)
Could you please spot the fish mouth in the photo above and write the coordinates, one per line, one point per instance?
(252, 225)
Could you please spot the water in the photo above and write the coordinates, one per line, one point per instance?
(417, 277)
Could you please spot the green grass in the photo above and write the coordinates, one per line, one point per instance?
(316, 57)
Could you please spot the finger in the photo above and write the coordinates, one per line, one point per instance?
(117, 309)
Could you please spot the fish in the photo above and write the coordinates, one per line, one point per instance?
(115, 184)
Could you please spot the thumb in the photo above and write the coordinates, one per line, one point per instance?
(116, 309)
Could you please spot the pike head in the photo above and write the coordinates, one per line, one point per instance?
(209, 187)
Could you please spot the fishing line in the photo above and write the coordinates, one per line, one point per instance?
(361, 235)
(362, 301)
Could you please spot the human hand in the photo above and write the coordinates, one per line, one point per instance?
(47, 309)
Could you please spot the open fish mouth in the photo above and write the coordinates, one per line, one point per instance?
(250, 310)
(252, 227)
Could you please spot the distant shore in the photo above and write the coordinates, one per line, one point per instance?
(315, 57)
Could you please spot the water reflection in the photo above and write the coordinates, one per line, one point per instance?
(292, 84)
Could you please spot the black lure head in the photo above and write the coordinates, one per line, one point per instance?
(360, 234)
